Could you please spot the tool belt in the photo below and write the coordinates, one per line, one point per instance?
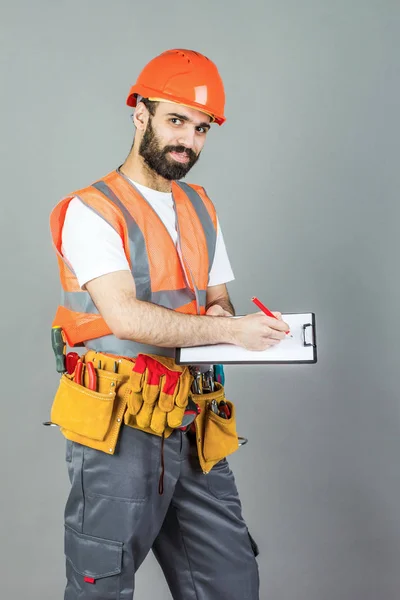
(150, 393)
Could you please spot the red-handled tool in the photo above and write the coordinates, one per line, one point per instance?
(191, 412)
(78, 372)
(223, 407)
(92, 376)
(71, 361)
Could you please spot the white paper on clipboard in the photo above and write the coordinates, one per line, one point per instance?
(302, 348)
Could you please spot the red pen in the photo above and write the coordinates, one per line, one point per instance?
(265, 310)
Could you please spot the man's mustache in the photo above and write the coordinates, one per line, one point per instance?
(181, 150)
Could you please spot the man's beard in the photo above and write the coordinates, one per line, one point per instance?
(157, 159)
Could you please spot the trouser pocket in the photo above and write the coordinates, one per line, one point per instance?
(93, 566)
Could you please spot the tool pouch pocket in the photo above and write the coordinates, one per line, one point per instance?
(81, 410)
(220, 437)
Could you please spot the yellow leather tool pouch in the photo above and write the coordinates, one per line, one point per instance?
(159, 394)
(220, 437)
(217, 437)
(83, 411)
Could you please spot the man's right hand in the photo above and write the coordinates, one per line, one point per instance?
(257, 331)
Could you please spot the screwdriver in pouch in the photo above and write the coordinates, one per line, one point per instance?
(219, 375)
(194, 371)
(205, 384)
(214, 406)
(59, 347)
(211, 378)
(208, 381)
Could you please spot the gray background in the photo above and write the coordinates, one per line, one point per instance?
(305, 177)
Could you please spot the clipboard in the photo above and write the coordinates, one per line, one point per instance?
(301, 349)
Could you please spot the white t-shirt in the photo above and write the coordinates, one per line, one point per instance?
(84, 230)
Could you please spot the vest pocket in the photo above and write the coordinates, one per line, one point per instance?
(93, 565)
(220, 436)
(81, 410)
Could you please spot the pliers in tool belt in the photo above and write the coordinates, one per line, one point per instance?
(91, 374)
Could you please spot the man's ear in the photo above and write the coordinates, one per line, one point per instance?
(141, 117)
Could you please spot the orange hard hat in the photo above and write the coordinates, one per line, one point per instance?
(185, 77)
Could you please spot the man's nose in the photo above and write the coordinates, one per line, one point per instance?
(186, 138)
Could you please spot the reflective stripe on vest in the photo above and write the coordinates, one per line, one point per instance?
(82, 302)
(204, 219)
(113, 345)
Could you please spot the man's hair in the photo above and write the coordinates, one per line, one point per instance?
(151, 105)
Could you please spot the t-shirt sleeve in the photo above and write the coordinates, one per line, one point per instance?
(90, 245)
(221, 270)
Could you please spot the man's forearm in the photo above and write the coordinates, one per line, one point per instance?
(151, 324)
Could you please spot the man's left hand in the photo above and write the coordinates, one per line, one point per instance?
(217, 311)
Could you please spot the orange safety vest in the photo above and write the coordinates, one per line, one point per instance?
(175, 277)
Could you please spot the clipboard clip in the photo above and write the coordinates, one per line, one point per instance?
(305, 326)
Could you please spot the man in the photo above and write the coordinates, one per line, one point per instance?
(144, 268)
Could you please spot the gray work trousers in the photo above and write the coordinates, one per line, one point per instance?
(114, 515)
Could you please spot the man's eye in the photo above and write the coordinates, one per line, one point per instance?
(175, 121)
(202, 130)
